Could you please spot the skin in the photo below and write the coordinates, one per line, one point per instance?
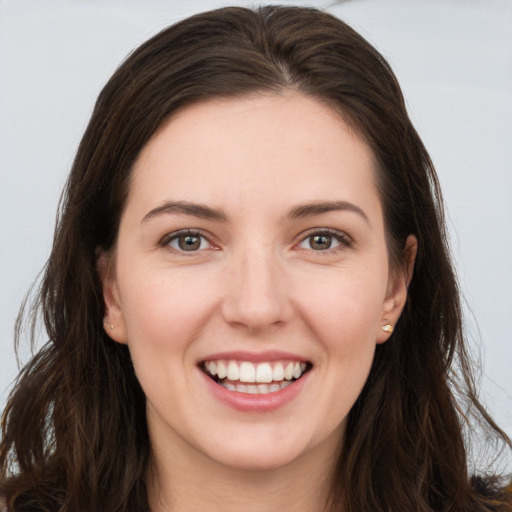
(255, 284)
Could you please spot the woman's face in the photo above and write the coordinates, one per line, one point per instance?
(251, 280)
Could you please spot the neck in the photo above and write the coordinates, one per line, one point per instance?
(181, 484)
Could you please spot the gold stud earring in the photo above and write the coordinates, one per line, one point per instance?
(387, 328)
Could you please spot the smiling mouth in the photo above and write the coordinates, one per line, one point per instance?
(254, 378)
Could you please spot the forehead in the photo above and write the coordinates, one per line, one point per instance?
(261, 149)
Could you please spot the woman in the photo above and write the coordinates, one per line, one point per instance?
(249, 302)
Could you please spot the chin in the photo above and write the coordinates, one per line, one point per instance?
(253, 460)
(268, 450)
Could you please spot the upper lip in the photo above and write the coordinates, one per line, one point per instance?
(255, 357)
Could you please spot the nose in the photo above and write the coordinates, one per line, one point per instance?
(257, 295)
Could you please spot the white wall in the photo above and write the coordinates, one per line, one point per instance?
(454, 61)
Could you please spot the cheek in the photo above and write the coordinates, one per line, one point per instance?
(164, 315)
(343, 316)
(164, 305)
(345, 305)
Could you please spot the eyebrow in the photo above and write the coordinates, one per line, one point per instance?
(318, 208)
(186, 208)
(298, 212)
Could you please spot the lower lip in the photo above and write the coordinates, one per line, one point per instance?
(246, 402)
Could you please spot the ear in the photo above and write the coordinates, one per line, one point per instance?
(396, 294)
(113, 321)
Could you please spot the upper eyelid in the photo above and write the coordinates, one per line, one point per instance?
(330, 231)
(300, 237)
(344, 242)
(186, 231)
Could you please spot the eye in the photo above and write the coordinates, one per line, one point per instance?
(186, 241)
(324, 240)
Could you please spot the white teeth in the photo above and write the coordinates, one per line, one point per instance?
(264, 373)
(221, 370)
(247, 372)
(278, 372)
(256, 389)
(288, 372)
(232, 372)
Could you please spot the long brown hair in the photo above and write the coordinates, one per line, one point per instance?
(74, 431)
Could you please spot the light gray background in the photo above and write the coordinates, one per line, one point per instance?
(452, 57)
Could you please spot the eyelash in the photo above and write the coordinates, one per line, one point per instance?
(167, 239)
(340, 237)
(343, 239)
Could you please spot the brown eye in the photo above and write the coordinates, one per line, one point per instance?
(325, 240)
(320, 242)
(187, 242)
